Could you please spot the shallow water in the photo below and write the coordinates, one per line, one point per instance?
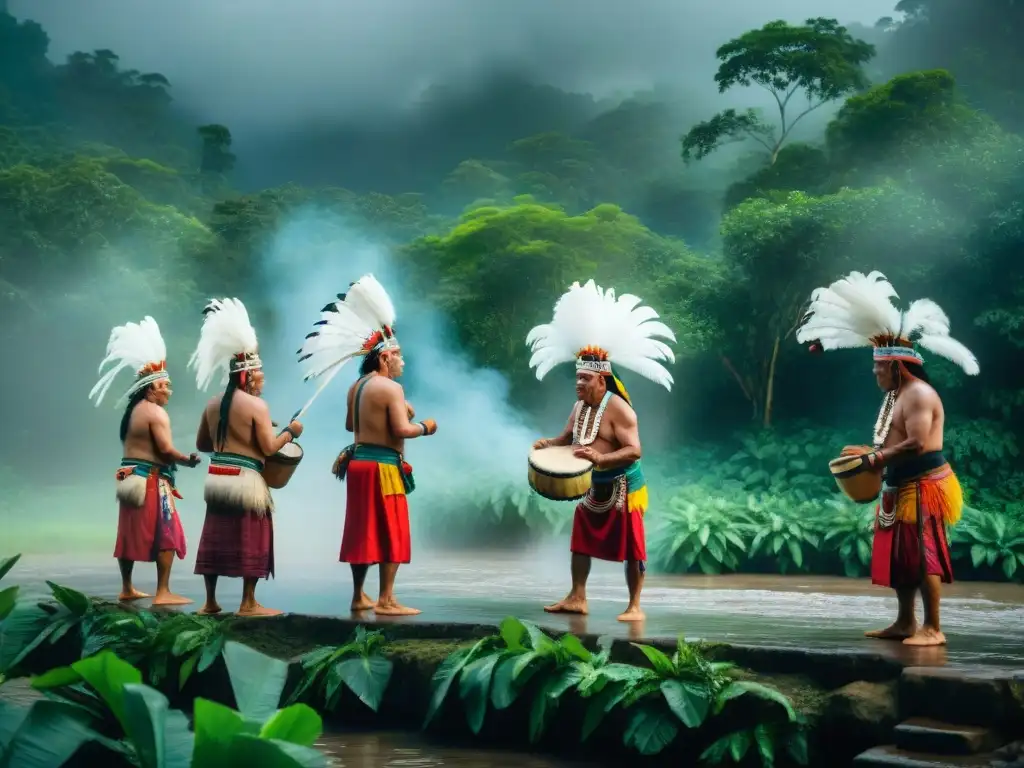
(984, 623)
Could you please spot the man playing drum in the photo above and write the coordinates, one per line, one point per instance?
(148, 527)
(361, 325)
(236, 429)
(593, 327)
(920, 493)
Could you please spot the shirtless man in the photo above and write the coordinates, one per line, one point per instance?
(913, 554)
(920, 493)
(148, 527)
(377, 478)
(609, 522)
(236, 429)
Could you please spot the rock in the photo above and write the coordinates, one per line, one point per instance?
(858, 716)
(962, 696)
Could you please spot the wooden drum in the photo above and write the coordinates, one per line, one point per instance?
(558, 475)
(279, 468)
(856, 478)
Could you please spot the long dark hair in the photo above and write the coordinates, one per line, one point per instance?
(135, 399)
(371, 362)
(914, 369)
(234, 384)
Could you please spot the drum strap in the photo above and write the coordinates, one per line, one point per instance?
(355, 404)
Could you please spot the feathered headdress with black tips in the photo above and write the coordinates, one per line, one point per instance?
(857, 311)
(227, 342)
(359, 322)
(138, 346)
(598, 329)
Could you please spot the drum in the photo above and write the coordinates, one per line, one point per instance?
(558, 475)
(856, 478)
(279, 468)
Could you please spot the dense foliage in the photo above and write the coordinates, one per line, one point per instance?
(676, 698)
(918, 172)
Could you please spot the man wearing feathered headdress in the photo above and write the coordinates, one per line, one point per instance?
(360, 324)
(596, 330)
(236, 429)
(920, 492)
(148, 528)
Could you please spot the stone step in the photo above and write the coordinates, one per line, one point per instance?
(891, 756)
(919, 734)
(962, 695)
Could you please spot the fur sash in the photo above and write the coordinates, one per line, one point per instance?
(237, 481)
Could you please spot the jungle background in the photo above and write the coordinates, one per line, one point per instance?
(722, 213)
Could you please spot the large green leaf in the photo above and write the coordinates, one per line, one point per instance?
(513, 633)
(215, 728)
(7, 563)
(445, 675)
(108, 676)
(48, 736)
(649, 729)
(21, 632)
(8, 599)
(662, 664)
(297, 724)
(179, 741)
(600, 705)
(741, 687)
(474, 687)
(256, 679)
(75, 601)
(250, 750)
(145, 714)
(366, 676)
(504, 689)
(688, 701)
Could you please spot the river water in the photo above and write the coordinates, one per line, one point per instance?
(984, 622)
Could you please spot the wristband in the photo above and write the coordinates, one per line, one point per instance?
(289, 430)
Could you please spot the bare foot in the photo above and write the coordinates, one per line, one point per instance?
(569, 605)
(632, 613)
(393, 608)
(169, 598)
(926, 636)
(257, 611)
(363, 603)
(135, 594)
(895, 631)
(209, 609)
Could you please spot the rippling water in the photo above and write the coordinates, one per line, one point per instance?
(984, 623)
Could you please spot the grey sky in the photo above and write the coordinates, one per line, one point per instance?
(260, 61)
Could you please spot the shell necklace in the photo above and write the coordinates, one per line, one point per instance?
(582, 432)
(884, 421)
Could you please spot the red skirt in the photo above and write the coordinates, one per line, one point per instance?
(616, 535)
(908, 551)
(236, 543)
(376, 524)
(143, 532)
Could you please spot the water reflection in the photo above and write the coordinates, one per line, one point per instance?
(408, 750)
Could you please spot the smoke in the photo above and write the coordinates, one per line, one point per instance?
(480, 438)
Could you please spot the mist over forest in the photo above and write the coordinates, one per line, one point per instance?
(480, 157)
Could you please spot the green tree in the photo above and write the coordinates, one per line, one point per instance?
(819, 59)
(216, 153)
(891, 124)
(500, 270)
(473, 180)
(777, 252)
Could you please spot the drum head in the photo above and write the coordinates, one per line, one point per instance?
(291, 450)
(558, 461)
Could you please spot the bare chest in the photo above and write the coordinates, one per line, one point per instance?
(593, 426)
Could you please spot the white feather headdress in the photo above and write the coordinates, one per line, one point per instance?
(227, 342)
(592, 322)
(357, 323)
(138, 346)
(857, 311)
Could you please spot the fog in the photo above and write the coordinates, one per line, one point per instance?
(258, 64)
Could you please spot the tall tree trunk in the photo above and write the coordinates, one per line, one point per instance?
(770, 388)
